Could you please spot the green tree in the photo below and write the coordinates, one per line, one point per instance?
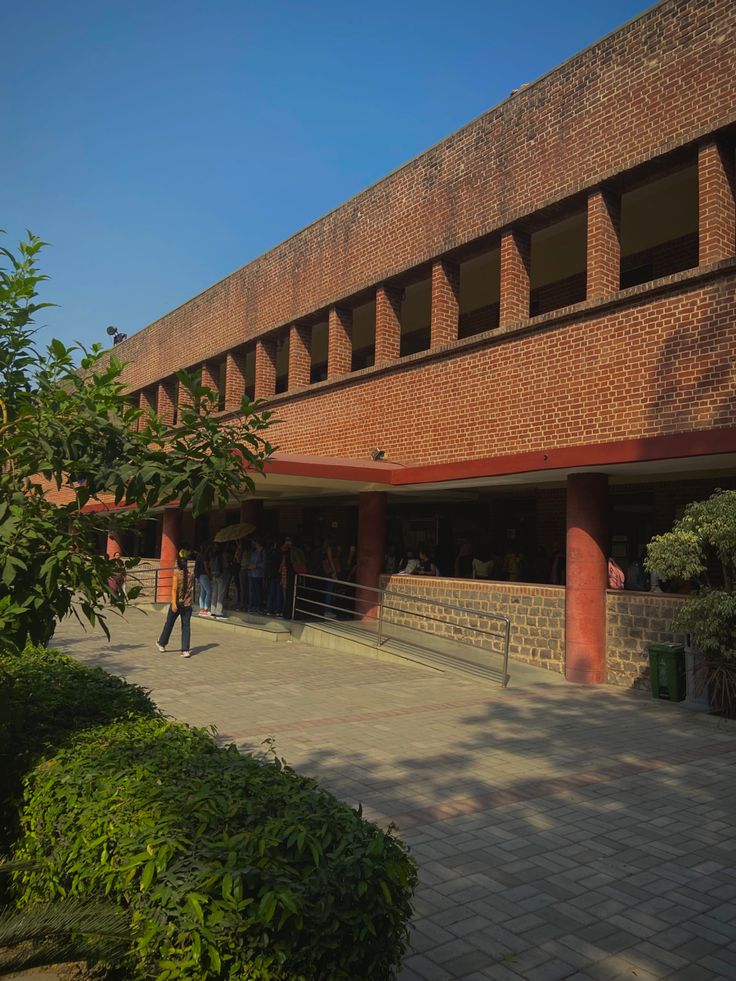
(702, 547)
(70, 427)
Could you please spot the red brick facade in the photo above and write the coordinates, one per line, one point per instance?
(663, 81)
(615, 341)
(656, 363)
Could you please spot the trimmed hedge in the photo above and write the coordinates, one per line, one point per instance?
(45, 697)
(232, 867)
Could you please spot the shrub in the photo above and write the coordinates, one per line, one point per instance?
(231, 867)
(45, 697)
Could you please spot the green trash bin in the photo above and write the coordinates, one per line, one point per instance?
(667, 671)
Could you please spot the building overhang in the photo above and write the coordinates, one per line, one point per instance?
(706, 453)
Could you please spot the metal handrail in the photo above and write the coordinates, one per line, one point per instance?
(143, 577)
(382, 595)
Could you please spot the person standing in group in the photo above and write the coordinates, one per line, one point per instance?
(217, 567)
(482, 565)
(202, 576)
(274, 588)
(330, 571)
(255, 577)
(116, 582)
(182, 595)
(426, 565)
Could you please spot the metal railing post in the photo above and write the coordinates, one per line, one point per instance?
(380, 617)
(293, 598)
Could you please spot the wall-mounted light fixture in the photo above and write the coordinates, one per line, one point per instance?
(117, 336)
(377, 454)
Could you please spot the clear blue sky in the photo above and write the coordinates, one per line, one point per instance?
(161, 144)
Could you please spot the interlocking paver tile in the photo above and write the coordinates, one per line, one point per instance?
(560, 832)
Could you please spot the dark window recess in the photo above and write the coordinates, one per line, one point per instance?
(479, 321)
(318, 372)
(250, 390)
(282, 383)
(636, 275)
(363, 357)
(221, 385)
(563, 293)
(412, 343)
(661, 260)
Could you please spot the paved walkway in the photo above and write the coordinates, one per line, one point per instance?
(560, 832)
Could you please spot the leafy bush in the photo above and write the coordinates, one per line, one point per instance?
(46, 696)
(231, 867)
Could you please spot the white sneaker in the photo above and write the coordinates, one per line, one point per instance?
(186, 653)
(160, 648)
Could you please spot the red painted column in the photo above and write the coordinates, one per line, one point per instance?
(587, 578)
(170, 539)
(113, 544)
(371, 547)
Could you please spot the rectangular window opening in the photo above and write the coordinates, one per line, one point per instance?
(558, 270)
(416, 315)
(282, 364)
(250, 373)
(318, 364)
(364, 336)
(659, 227)
(480, 291)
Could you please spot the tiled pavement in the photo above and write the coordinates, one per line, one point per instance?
(560, 832)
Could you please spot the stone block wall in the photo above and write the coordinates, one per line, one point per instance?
(635, 620)
(537, 614)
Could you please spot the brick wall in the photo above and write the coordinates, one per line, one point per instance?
(537, 614)
(657, 364)
(633, 621)
(662, 80)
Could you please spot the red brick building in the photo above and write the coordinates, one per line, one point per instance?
(533, 321)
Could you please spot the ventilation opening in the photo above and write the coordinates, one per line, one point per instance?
(416, 315)
(659, 227)
(282, 364)
(318, 367)
(480, 286)
(558, 265)
(249, 373)
(364, 336)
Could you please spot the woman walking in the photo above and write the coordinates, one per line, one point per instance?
(182, 591)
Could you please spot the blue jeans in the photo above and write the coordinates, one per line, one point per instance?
(255, 593)
(275, 604)
(185, 612)
(218, 594)
(204, 592)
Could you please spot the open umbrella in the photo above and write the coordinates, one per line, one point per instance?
(233, 532)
